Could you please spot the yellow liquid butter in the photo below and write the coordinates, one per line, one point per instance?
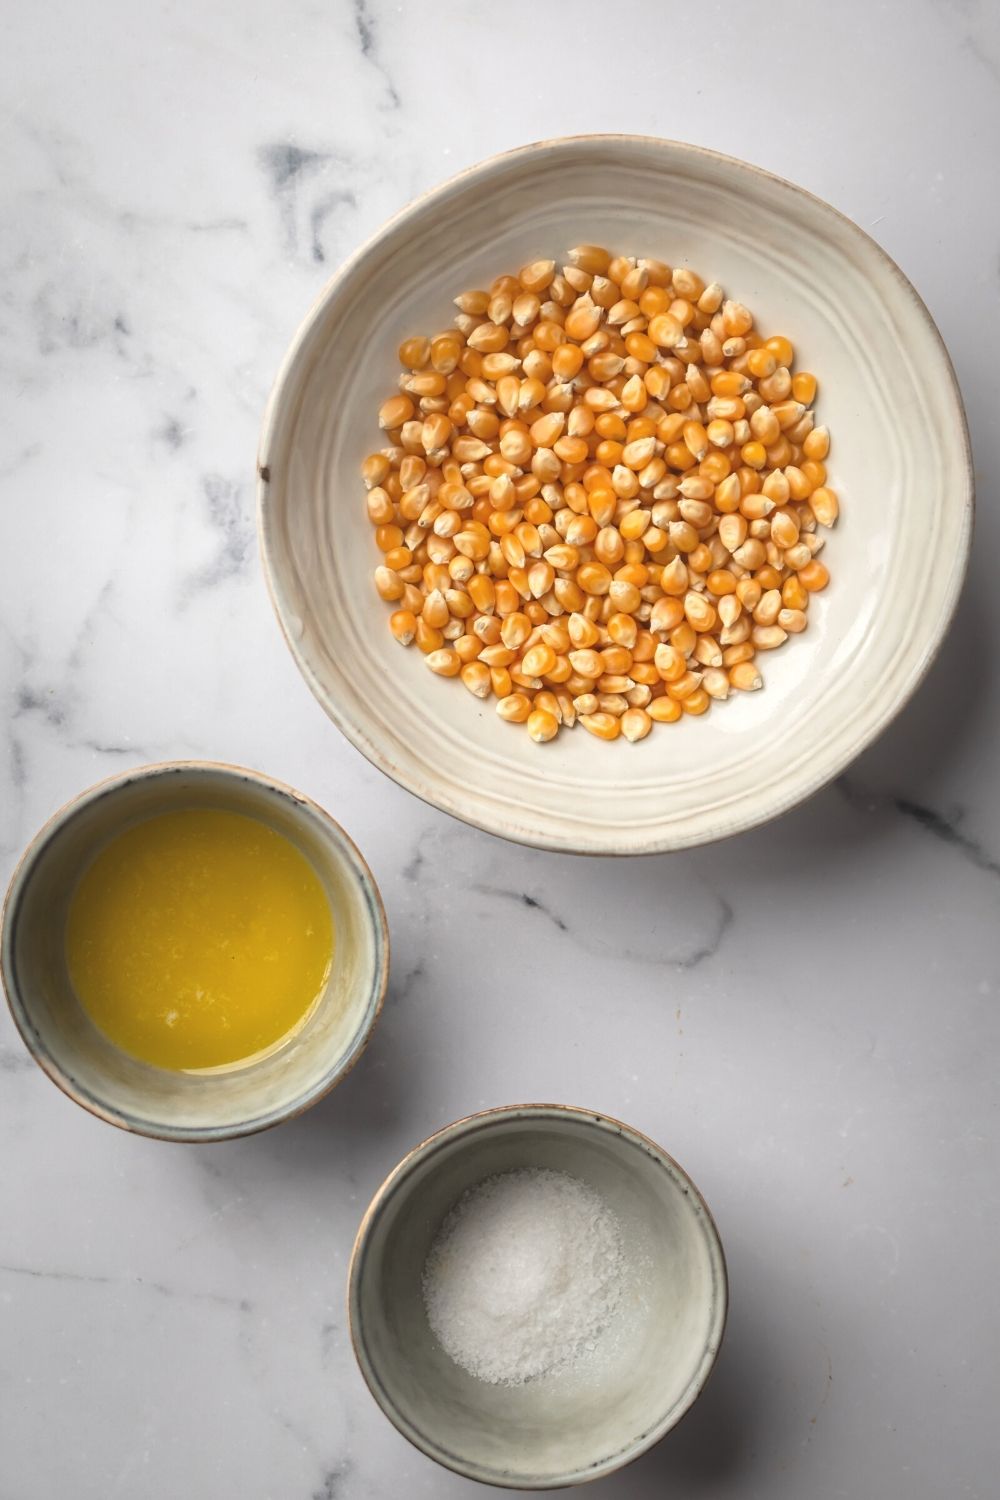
(199, 939)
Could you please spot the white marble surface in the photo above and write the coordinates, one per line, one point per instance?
(805, 1016)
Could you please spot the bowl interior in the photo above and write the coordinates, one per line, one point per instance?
(136, 1094)
(899, 461)
(646, 1369)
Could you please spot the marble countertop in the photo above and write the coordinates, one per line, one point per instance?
(806, 1016)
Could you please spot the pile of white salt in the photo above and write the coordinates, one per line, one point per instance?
(524, 1274)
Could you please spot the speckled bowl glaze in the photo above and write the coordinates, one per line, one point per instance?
(135, 1095)
(900, 461)
(579, 1424)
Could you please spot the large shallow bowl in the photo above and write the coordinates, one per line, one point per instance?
(646, 1371)
(900, 461)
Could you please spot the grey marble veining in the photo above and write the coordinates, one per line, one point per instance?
(805, 1016)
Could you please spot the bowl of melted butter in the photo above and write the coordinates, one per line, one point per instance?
(193, 951)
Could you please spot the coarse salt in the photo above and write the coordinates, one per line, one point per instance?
(524, 1274)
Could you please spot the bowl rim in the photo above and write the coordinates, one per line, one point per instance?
(747, 814)
(468, 1126)
(109, 786)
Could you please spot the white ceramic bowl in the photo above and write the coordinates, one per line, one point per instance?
(153, 1101)
(900, 462)
(572, 1426)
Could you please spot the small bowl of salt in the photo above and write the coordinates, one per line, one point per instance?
(537, 1295)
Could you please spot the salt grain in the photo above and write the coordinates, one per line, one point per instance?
(525, 1273)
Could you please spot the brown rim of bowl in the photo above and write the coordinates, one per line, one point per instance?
(371, 752)
(51, 1068)
(436, 1139)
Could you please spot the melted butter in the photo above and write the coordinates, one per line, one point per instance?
(199, 939)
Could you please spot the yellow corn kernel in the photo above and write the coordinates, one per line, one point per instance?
(476, 677)
(591, 258)
(635, 724)
(815, 472)
(571, 450)
(445, 662)
(761, 363)
(814, 577)
(567, 361)
(380, 508)
(667, 613)
(665, 331)
(538, 660)
(767, 637)
(546, 429)
(616, 659)
(488, 338)
(466, 647)
(684, 638)
(745, 677)
(608, 545)
(720, 581)
(426, 383)
(824, 506)
(537, 276)
(403, 624)
(696, 703)
(816, 444)
(375, 470)
(603, 725)
(769, 607)
(637, 454)
(542, 725)
(707, 651)
(586, 662)
(435, 610)
(515, 630)
(398, 558)
(414, 353)
(687, 283)
(782, 350)
(594, 578)
(804, 387)
(682, 686)
(583, 320)
(716, 683)
(756, 506)
(670, 663)
(623, 631)
(696, 439)
(514, 708)
(699, 612)
(482, 592)
(732, 655)
(427, 637)
(793, 594)
(664, 710)
(525, 308)
(784, 528)
(729, 609)
(388, 584)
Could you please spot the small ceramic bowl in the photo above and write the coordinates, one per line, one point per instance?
(153, 1101)
(570, 1426)
(900, 461)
